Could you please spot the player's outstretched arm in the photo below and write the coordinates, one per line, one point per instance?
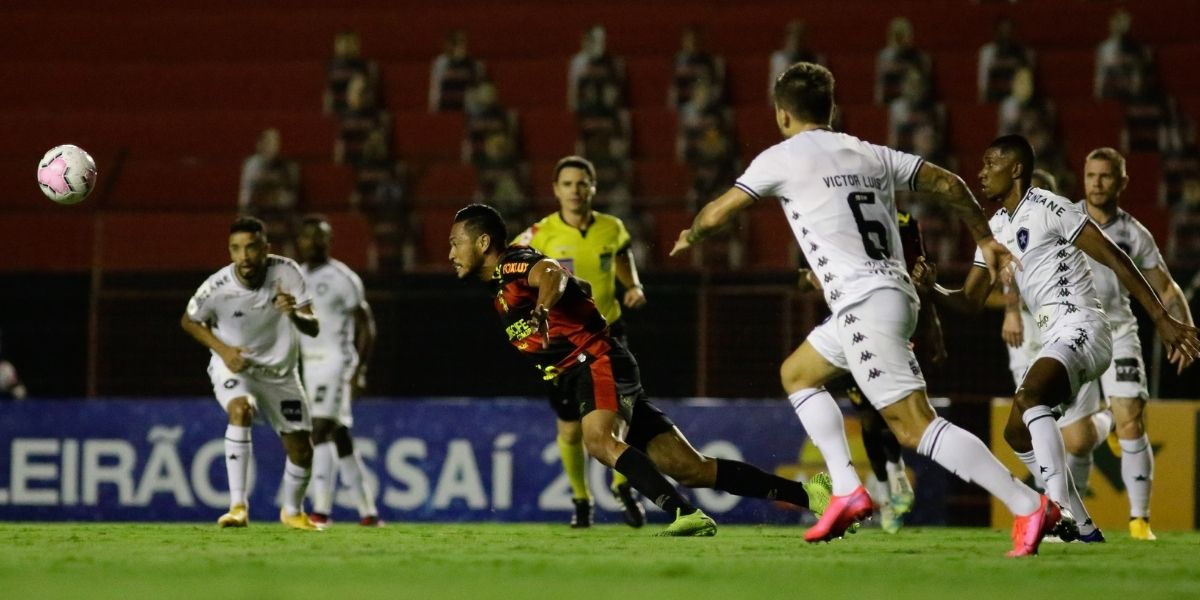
(969, 298)
(710, 218)
(627, 274)
(1180, 338)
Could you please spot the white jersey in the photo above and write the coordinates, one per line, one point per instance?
(1132, 237)
(337, 292)
(838, 194)
(1055, 280)
(244, 317)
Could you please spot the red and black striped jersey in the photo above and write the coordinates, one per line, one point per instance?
(576, 325)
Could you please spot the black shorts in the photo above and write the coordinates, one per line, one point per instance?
(563, 398)
(607, 382)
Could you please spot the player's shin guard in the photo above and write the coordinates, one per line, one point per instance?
(1051, 452)
(324, 477)
(822, 419)
(650, 482)
(964, 455)
(295, 484)
(742, 479)
(238, 456)
(351, 469)
(1137, 472)
(574, 461)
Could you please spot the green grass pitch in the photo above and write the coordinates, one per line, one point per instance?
(137, 560)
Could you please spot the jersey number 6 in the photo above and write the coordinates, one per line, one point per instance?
(877, 248)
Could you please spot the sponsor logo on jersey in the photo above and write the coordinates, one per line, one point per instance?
(514, 268)
(1128, 370)
(230, 383)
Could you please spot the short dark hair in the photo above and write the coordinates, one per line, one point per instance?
(248, 224)
(314, 219)
(1020, 148)
(805, 90)
(577, 162)
(480, 219)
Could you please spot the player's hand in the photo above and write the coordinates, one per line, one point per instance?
(1000, 262)
(1183, 345)
(924, 275)
(540, 319)
(284, 302)
(358, 383)
(635, 297)
(234, 358)
(1013, 329)
(808, 281)
(682, 243)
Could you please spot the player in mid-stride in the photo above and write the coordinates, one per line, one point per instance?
(248, 314)
(335, 369)
(838, 194)
(549, 316)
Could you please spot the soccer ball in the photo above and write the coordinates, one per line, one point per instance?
(66, 174)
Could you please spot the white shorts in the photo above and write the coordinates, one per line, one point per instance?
(1126, 376)
(1083, 348)
(279, 400)
(871, 340)
(328, 386)
(1088, 402)
(1020, 358)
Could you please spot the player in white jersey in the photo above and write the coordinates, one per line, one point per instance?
(335, 369)
(1087, 421)
(1124, 382)
(1050, 237)
(838, 194)
(247, 314)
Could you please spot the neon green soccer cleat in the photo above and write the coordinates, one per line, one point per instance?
(819, 488)
(696, 524)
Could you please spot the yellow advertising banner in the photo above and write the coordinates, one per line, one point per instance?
(1172, 426)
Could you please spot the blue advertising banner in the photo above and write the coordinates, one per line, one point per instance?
(429, 460)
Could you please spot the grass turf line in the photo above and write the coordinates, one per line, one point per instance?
(136, 560)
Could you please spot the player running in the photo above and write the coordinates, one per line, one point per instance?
(335, 370)
(838, 194)
(1124, 381)
(594, 247)
(549, 316)
(893, 495)
(1051, 236)
(247, 314)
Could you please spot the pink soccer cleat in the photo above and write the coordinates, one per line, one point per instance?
(1028, 531)
(842, 512)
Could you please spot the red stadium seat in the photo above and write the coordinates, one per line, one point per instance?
(548, 133)
(1065, 74)
(669, 220)
(1177, 68)
(770, 240)
(971, 126)
(954, 76)
(756, 130)
(445, 180)
(352, 239)
(405, 85)
(326, 186)
(746, 81)
(865, 121)
(1086, 125)
(433, 224)
(524, 84)
(146, 183)
(660, 179)
(648, 80)
(654, 132)
(420, 135)
(854, 77)
(60, 239)
(125, 247)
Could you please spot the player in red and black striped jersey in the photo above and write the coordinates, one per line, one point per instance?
(883, 449)
(549, 316)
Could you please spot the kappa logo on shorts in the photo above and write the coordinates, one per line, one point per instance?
(230, 384)
(873, 373)
(1128, 370)
(866, 355)
(292, 410)
(1023, 238)
(857, 337)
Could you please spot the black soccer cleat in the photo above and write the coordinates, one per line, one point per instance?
(631, 510)
(584, 513)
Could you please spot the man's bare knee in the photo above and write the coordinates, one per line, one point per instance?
(299, 448)
(323, 430)
(241, 413)
(570, 432)
(909, 418)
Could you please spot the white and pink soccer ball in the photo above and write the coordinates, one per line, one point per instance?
(66, 174)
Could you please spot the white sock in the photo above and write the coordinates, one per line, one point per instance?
(1137, 471)
(1081, 470)
(822, 419)
(965, 456)
(1078, 510)
(1103, 421)
(1051, 452)
(238, 456)
(295, 485)
(1030, 460)
(351, 469)
(324, 478)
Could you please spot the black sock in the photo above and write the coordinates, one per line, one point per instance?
(646, 479)
(891, 445)
(742, 479)
(876, 447)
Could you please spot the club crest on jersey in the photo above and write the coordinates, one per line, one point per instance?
(1023, 238)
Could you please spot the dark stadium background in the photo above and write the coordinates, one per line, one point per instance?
(169, 97)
